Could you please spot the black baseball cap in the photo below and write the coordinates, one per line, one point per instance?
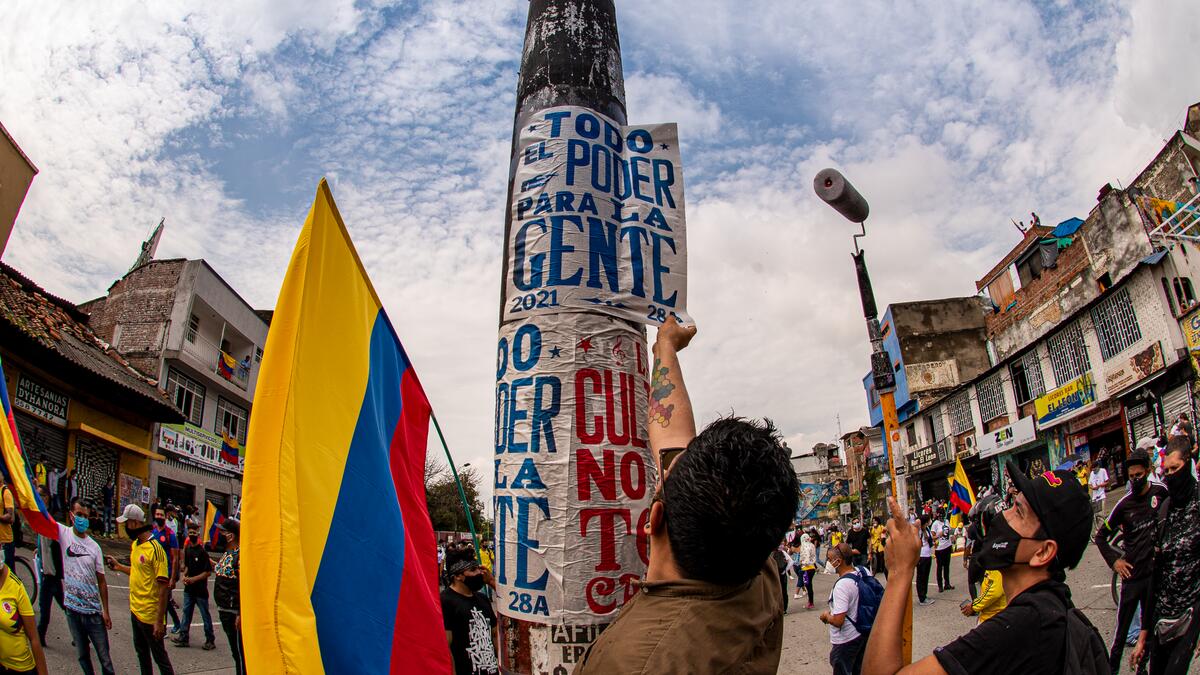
(1063, 507)
(230, 525)
(1138, 456)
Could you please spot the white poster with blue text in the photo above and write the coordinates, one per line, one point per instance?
(597, 219)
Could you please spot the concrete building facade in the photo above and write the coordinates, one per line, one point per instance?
(16, 175)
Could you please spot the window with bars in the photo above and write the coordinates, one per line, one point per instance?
(937, 428)
(960, 413)
(911, 430)
(193, 328)
(1068, 354)
(187, 394)
(1027, 377)
(232, 418)
(1116, 324)
(990, 393)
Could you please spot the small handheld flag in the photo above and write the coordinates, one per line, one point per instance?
(16, 473)
(962, 497)
(212, 518)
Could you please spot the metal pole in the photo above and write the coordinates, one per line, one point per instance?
(462, 495)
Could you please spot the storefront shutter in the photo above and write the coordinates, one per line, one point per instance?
(41, 441)
(1176, 401)
(1143, 427)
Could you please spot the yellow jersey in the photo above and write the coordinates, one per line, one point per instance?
(6, 535)
(836, 538)
(147, 564)
(991, 599)
(15, 652)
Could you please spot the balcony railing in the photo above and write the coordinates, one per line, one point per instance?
(1174, 220)
(225, 366)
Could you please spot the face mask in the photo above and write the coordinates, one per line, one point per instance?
(998, 548)
(473, 583)
(81, 524)
(1180, 484)
(135, 532)
(161, 522)
(1138, 484)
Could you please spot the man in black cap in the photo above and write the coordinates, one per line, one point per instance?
(1031, 540)
(1136, 516)
(467, 616)
(227, 594)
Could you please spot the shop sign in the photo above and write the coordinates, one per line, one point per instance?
(1191, 334)
(1120, 374)
(928, 456)
(195, 446)
(1008, 437)
(41, 401)
(1106, 410)
(1135, 411)
(1075, 395)
(931, 375)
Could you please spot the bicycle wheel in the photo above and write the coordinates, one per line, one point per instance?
(1115, 586)
(24, 572)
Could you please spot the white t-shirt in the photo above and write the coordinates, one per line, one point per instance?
(1096, 481)
(82, 562)
(941, 532)
(843, 599)
(926, 542)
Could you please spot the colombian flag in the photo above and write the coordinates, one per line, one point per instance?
(230, 450)
(226, 365)
(16, 474)
(339, 568)
(212, 518)
(962, 497)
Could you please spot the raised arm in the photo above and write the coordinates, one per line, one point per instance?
(671, 422)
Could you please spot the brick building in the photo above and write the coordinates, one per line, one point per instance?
(77, 404)
(178, 322)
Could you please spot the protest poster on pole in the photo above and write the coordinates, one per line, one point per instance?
(597, 219)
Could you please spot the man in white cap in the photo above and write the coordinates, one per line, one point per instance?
(148, 589)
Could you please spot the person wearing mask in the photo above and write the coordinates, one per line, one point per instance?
(197, 567)
(53, 485)
(943, 537)
(1172, 621)
(710, 601)
(806, 563)
(1098, 483)
(468, 619)
(817, 537)
(72, 486)
(835, 535)
(19, 651)
(165, 536)
(1040, 533)
(85, 593)
(858, 538)
(149, 586)
(925, 562)
(846, 651)
(876, 544)
(48, 560)
(1136, 517)
(226, 593)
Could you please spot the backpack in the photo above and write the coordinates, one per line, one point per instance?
(1084, 652)
(870, 594)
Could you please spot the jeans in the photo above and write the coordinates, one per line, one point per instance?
(52, 590)
(191, 602)
(172, 612)
(1134, 593)
(847, 658)
(805, 579)
(943, 567)
(923, 565)
(1135, 627)
(108, 519)
(147, 646)
(89, 629)
(229, 625)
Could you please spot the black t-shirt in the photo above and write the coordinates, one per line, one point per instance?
(858, 539)
(196, 561)
(470, 621)
(1027, 637)
(1137, 517)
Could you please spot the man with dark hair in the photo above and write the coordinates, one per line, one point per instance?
(1136, 516)
(711, 599)
(858, 538)
(1171, 623)
(468, 617)
(1041, 532)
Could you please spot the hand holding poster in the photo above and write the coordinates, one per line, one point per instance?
(597, 219)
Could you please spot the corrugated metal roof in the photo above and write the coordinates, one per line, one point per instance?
(1155, 258)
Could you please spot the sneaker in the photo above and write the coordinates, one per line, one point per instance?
(209, 646)
(927, 602)
(179, 642)
(796, 596)
(810, 606)
(949, 588)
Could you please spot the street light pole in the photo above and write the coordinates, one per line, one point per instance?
(833, 188)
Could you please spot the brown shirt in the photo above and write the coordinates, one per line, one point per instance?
(693, 626)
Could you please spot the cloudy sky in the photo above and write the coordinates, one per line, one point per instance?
(952, 117)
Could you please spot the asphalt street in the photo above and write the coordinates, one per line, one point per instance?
(192, 660)
(806, 639)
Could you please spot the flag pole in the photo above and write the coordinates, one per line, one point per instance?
(462, 495)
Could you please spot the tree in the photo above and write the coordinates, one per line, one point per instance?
(445, 505)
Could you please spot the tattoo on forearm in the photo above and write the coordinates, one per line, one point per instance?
(660, 388)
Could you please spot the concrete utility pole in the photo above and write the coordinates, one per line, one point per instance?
(567, 517)
(833, 188)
